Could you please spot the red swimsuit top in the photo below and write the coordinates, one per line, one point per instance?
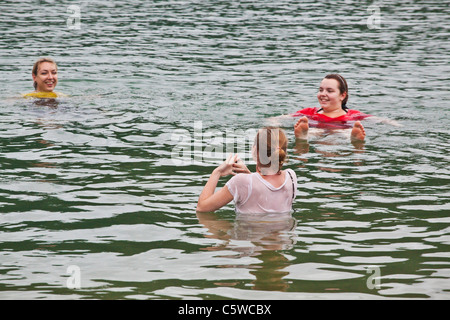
(351, 115)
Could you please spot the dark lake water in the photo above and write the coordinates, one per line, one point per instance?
(98, 191)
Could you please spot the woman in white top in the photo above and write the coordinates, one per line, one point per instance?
(268, 190)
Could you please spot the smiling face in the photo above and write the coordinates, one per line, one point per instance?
(329, 95)
(46, 77)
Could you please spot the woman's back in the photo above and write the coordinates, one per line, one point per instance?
(253, 194)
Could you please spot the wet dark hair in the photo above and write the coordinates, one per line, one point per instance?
(343, 87)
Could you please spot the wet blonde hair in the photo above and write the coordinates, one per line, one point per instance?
(36, 67)
(271, 149)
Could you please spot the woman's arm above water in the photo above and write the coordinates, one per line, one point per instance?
(210, 200)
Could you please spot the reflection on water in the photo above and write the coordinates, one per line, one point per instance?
(49, 103)
(259, 235)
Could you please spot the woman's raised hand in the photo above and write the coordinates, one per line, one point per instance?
(226, 167)
(240, 167)
(233, 165)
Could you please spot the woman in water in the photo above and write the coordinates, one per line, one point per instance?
(45, 78)
(333, 112)
(268, 190)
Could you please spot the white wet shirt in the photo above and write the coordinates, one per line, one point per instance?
(253, 194)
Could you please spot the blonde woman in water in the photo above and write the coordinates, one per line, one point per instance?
(45, 79)
(269, 190)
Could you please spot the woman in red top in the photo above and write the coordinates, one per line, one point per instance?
(333, 112)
